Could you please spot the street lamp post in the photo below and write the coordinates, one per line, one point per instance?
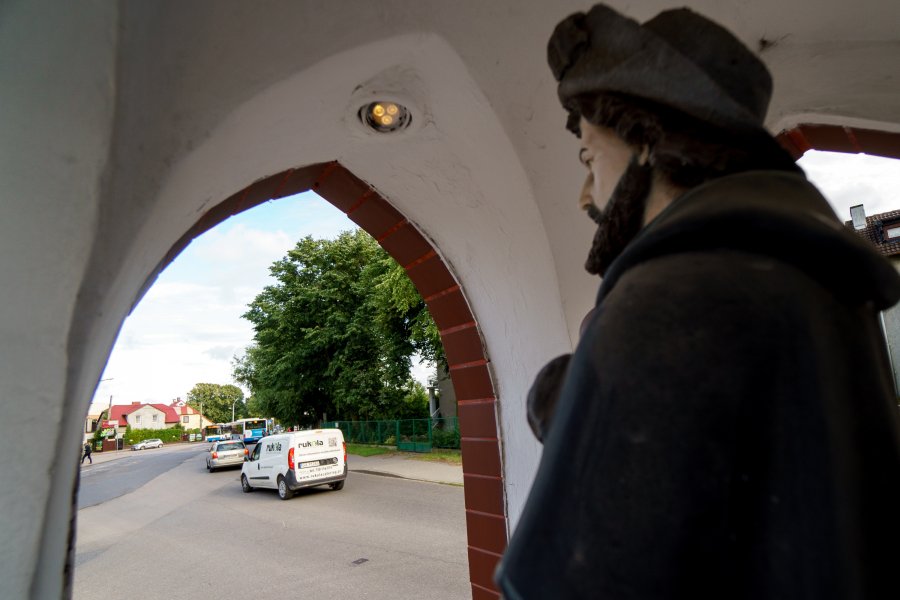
(232, 410)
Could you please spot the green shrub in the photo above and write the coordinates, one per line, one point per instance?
(441, 438)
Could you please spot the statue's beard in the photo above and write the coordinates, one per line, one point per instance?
(622, 218)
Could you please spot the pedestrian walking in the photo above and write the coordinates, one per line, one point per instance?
(87, 453)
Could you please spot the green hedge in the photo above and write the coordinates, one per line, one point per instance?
(133, 436)
(445, 439)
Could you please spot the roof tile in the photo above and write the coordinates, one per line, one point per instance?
(873, 232)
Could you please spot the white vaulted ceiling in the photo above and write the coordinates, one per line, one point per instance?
(124, 122)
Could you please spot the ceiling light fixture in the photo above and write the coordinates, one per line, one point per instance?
(385, 117)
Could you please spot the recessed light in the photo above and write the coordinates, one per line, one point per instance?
(385, 116)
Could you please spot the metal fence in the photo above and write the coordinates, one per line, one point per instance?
(410, 435)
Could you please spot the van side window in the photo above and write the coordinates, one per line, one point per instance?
(255, 455)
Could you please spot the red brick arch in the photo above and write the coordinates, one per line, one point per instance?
(469, 364)
(836, 138)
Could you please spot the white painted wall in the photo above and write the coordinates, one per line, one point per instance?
(55, 124)
(120, 123)
(143, 418)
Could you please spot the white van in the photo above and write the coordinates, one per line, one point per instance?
(299, 459)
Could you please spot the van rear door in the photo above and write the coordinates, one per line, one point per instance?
(272, 458)
(318, 454)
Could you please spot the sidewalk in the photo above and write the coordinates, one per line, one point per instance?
(102, 457)
(390, 465)
(398, 465)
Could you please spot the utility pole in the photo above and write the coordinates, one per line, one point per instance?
(116, 428)
(108, 411)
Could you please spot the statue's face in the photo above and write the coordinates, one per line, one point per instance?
(618, 185)
(606, 157)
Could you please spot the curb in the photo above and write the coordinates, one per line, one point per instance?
(396, 476)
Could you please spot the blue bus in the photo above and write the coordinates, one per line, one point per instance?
(249, 430)
(214, 433)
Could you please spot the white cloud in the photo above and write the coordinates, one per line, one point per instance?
(849, 179)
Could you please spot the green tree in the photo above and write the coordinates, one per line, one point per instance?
(217, 401)
(335, 334)
(395, 297)
(255, 408)
(415, 402)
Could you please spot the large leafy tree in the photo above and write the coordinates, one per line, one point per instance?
(217, 401)
(335, 334)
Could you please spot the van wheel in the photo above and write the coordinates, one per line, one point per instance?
(284, 492)
(245, 485)
(338, 485)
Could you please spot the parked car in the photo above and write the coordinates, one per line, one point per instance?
(149, 443)
(225, 453)
(290, 461)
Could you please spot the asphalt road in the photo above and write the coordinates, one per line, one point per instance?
(108, 480)
(186, 533)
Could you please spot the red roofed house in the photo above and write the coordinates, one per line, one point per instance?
(883, 231)
(189, 417)
(156, 416)
(144, 416)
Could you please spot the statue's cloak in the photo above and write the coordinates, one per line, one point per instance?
(727, 426)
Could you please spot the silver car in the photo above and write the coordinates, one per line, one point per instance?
(150, 443)
(225, 453)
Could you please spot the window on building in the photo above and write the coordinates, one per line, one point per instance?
(892, 232)
(137, 419)
(155, 418)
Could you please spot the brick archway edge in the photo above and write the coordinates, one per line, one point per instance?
(835, 138)
(477, 403)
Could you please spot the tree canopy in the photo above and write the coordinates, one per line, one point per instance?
(336, 333)
(217, 401)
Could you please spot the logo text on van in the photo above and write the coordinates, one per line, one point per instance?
(311, 443)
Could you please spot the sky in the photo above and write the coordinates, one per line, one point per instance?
(188, 327)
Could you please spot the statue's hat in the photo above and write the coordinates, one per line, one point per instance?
(678, 59)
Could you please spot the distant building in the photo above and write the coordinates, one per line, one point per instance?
(144, 416)
(156, 416)
(189, 417)
(91, 423)
(883, 231)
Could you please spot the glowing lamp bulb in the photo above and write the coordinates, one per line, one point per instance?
(384, 116)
